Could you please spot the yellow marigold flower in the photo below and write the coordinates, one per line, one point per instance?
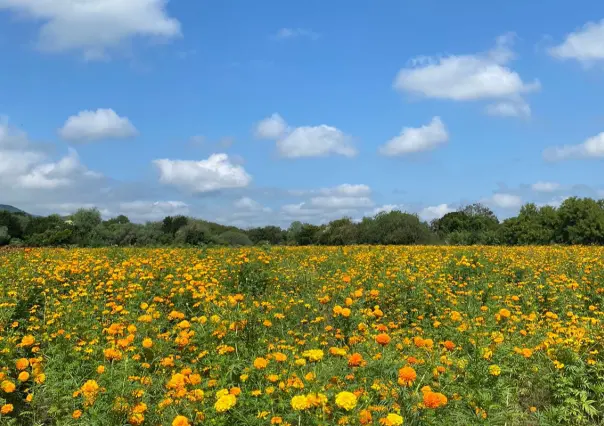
(346, 400)
(28, 340)
(260, 363)
(100, 369)
(313, 355)
(299, 403)
(147, 343)
(225, 403)
(180, 421)
(6, 408)
(23, 376)
(8, 386)
(494, 370)
(393, 419)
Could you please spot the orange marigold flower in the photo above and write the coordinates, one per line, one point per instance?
(434, 399)
(406, 376)
(180, 421)
(355, 360)
(382, 339)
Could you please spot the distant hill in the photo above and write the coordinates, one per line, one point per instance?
(11, 209)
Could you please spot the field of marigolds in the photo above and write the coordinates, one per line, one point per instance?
(302, 336)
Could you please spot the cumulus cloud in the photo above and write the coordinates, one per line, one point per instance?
(585, 45)
(435, 212)
(412, 140)
(592, 148)
(271, 128)
(545, 186)
(25, 167)
(289, 33)
(90, 126)
(509, 109)
(466, 77)
(338, 202)
(305, 141)
(505, 201)
(215, 173)
(249, 205)
(94, 27)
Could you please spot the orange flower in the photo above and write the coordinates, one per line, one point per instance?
(365, 417)
(382, 339)
(406, 376)
(434, 399)
(22, 364)
(449, 345)
(355, 360)
(180, 421)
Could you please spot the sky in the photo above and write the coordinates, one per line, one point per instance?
(267, 112)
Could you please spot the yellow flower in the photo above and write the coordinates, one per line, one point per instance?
(494, 370)
(8, 386)
(299, 403)
(346, 400)
(180, 421)
(147, 343)
(394, 419)
(23, 376)
(260, 363)
(225, 403)
(6, 408)
(313, 355)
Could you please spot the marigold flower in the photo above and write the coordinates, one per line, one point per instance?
(382, 339)
(8, 386)
(406, 376)
(434, 399)
(7, 408)
(180, 421)
(22, 364)
(225, 403)
(299, 402)
(346, 400)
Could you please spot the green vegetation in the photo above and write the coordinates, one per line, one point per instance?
(576, 221)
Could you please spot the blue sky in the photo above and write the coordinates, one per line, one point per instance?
(268, 112)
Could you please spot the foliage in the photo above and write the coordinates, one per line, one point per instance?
(576, 221)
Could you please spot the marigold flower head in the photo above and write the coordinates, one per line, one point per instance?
(406, 376)
(225, 403)
(22, 364)
(382, 339)
(180, 421)
(299, 403)
(346, 400)
(434, 399)
(7, 408)
(260, 363)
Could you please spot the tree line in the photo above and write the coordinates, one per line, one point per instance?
(575, 221)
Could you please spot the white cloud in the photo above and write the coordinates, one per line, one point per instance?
(95, 27)
(545, 186)
(305, 141)
(24, 167)
(89, 126)
(152, 210)
(346, 190)
(317, 141)
(466, 77)
(509, 109)
(591, 148)
(271, 128)
(585, 45)
(506, 201)
(215, 173)
(288, 33)
(419, 139)
(335, 202)
(435, 212)
(249, 205)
